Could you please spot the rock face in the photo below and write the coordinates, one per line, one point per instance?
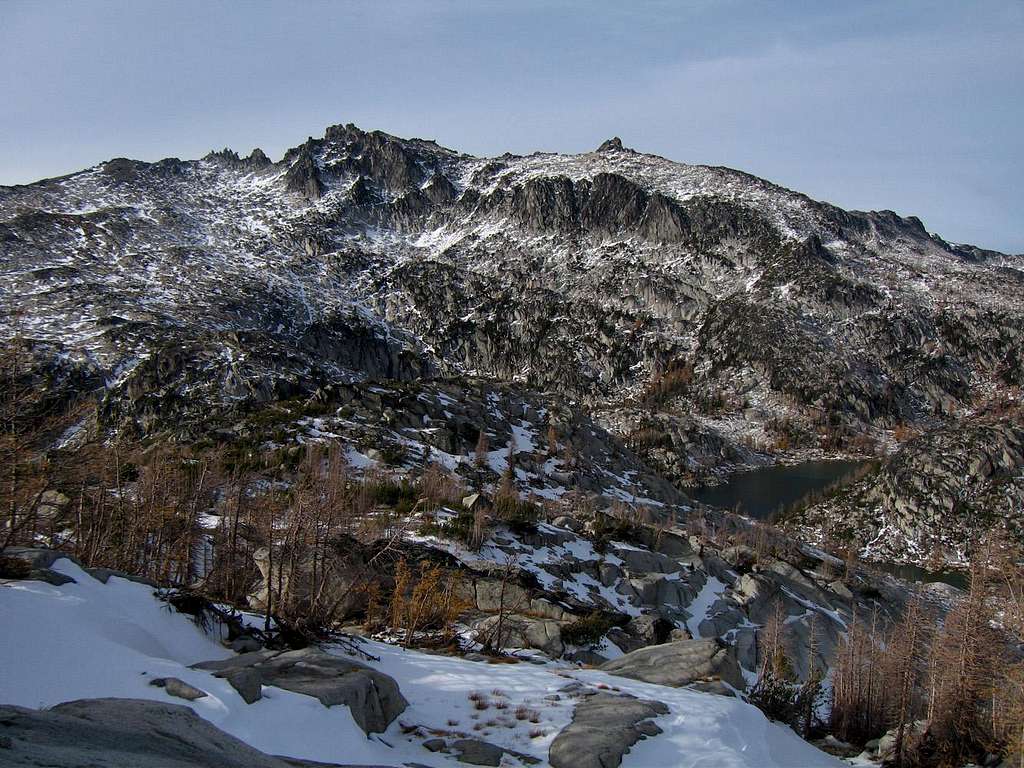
(603, 729)
(569, 599)
(114, 733)
(665, 299)
(679, 663)
(522, 632)
(346, 565)
(372, 697)
(931, 498)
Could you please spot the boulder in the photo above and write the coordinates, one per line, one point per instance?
(545, 635)
(52, 504)
(114, 733)
(603, 728)
(585, 656)
(679, 663)
(718, 568)
(624, 640)
(887, 744)
(178, 688)
(641, 561)
(839, 588)
(372, 697)
(522, 632)
(346, 570)
(740, 556)
(246, 644)
(435, 745)
(248, 682)
(547, 610)
(104, 575)
(609, 574)
(35, 564)
(745, 642)
(658, 592)
(797, 581)
(674, 545)
(489, 596)
(14, 568)
(479, 752)
(38, 557)
(723, 616)
(648, 629)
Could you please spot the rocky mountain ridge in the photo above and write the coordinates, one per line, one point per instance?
(702, 318)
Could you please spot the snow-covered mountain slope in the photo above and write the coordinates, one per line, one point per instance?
(363, 255)
(86, 639)
(701, 315)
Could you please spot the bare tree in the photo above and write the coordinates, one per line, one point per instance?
(482, 448)
(26, 419)
(494, 638)
(552, 439)
(859, 688)
(964, 661)
(906, 647)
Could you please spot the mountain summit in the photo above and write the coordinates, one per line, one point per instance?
(704, 317)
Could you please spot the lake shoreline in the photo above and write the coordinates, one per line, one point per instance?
(767, 492)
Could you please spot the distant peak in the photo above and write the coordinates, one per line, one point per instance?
(612, 145)
(258, 158)
(344, 132)
(222, 154)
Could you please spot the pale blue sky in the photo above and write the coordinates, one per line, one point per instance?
(912, 105)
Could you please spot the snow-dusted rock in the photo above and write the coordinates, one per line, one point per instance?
(679, 663)
(933, 495)
(603, 728)
(373, 697)
(86, 639)
(480, 752)
(113, 733)
(521, 632)
(361, 258)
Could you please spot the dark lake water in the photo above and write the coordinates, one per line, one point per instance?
(764, 491)
(957, 579)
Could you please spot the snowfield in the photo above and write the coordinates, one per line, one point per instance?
(87, 639)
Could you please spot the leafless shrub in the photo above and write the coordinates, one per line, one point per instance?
(523, 713)
(427, 599)
(437, 486)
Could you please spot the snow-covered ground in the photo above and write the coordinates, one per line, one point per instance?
(88, 639)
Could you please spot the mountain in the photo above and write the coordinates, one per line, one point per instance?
(665, 322)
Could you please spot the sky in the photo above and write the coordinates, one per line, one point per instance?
(912, 106)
